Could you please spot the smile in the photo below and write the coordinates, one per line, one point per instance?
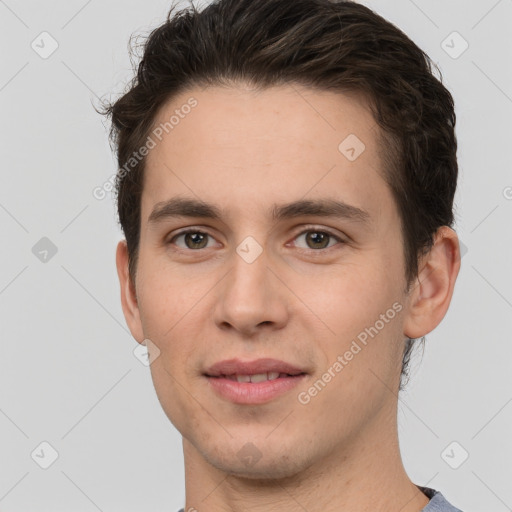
(253, 389)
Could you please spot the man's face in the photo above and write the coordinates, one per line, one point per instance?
(297, 288)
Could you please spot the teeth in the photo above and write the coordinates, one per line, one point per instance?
(259, 377)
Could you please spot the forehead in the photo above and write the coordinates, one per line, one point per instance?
(249, 148)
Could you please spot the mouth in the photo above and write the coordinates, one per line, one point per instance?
(253, 382)
(257, 368)
(257, 377)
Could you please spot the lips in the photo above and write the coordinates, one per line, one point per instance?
(253, 371)
(253, 382)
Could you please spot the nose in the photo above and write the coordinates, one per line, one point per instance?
(252, 297)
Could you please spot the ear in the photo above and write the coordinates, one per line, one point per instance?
(430, 297)
(128, 295)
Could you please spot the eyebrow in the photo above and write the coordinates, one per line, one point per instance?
(188, 207)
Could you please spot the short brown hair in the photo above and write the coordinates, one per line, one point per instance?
(323, 44)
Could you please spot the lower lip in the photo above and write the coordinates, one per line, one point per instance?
(253, 392)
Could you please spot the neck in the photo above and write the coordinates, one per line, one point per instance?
(364, 474)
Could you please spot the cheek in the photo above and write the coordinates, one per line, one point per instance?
(172, 310)
(169, 317)
(350, 296)
(360, 306)
(176, 403)
(361, 360)
(166, 296)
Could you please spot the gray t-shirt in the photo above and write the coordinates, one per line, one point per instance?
(437, 502)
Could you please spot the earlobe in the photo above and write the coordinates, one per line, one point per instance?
(128, 295)
(431, 295)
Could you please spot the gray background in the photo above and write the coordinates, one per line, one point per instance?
(68, 375)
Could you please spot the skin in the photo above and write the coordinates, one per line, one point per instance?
(299, 302)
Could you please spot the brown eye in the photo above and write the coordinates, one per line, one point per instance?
(193, 239)
(317, 239)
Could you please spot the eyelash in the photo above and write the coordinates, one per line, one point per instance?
(308, 229)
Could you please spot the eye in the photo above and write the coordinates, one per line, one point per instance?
(314, 237)
(318, 238)
(193, 239)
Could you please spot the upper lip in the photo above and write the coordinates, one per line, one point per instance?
(239, 367)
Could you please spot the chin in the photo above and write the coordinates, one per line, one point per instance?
(268, 462)
(271, 471)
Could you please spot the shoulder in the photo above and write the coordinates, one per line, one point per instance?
(437, 503)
